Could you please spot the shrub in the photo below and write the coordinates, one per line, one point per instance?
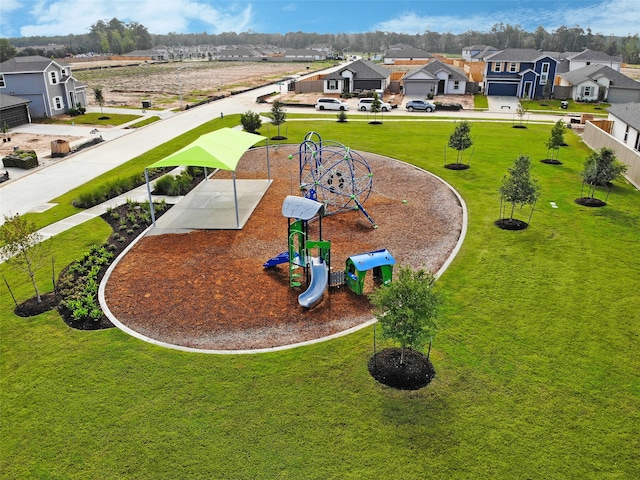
(250, 121)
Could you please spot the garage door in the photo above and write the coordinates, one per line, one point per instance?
(504, 89)
(418, 89)
(14, 116)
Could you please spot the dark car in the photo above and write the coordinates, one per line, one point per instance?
(422, 105)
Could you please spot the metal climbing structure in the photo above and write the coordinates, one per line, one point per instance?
(334, 175)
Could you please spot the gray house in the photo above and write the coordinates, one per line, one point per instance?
(586, 83)
(46, 83)
(357, 76)
(435, 78)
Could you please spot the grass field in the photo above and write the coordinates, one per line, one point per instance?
(537, 357)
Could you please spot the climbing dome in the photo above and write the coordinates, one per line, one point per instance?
(334, 175)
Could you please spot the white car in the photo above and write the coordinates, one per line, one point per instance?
(331, 104)
(365, 104)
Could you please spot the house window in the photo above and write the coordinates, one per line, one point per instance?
(637, 145)
(2, 84)
(513, 67)
(544, 76)
(586, 91)
(497, 67)
(53, 77)
(626, 134)
(456, 85)
(57, 103)
(332, 85)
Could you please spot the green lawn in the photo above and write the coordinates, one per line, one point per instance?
(96, 118)
(572, 107)
(537, 359)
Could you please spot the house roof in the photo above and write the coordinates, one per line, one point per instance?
(8, 101)
(627, 112)
(435, 66)
(407, 53)
(32, 63)
(519, 55)
(595, 56)
(362, 69)
(593, 72)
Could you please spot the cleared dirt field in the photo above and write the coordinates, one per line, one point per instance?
(162, 83)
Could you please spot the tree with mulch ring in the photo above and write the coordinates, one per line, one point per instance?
(278, 116)
(554, 142)
(600, 169)
(517, 188)
(521, 111)
(459, 140)
(25, 251)
(376, 105)
(406, 310)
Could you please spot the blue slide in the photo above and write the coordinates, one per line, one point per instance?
(319, 280)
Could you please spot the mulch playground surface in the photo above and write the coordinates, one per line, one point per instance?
(207, 289)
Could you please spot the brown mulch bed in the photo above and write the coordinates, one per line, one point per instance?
(207, 289)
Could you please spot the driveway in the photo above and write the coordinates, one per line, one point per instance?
(503, 104)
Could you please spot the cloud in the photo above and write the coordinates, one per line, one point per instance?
(290, 7)
(617, 17)
(63, 17)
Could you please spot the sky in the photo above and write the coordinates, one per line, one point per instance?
(25, 18)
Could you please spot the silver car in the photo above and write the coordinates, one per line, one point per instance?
(421, 105)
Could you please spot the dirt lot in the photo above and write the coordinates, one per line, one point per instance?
(162, 83)
(41, 144)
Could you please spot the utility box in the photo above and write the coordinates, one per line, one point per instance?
(60, 148)
(146, 104)
(564, 104)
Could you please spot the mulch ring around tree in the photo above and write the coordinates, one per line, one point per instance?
(414, 373)
(511, 224)
(457, 166)
(590, 202)
(551, 161)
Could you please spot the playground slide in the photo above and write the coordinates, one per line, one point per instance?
(319, 280)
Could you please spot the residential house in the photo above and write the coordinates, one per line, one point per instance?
(477, 53)
(436, 78)
(357, 76)
(303, 55)
(599, 81)
(14, 111)
(593, 57)
(399, 56)
(47, 83)
(626, 123)
(520, 72)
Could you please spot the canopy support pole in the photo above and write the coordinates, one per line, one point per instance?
(151, 209)
(268, 162)
(235, 197)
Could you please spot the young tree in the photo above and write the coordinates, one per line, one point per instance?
(99, 97)
(521, 111)
(376, 105)
(518, 188)
(407, 308)
(7, 50)
(556, 138)
(601, 168)
(278, 116)
(250, 121)
(22, 246)
(460, 139)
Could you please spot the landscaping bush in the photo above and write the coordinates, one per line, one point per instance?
(24, 159)
(448, 106)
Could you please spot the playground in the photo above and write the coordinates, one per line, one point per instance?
(208, 289)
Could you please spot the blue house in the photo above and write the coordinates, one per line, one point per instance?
(520, 72)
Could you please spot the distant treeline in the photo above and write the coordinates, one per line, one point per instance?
(116, 37)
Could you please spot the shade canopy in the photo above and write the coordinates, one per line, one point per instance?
(221, 149)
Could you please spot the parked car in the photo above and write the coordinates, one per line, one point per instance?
(420, 105)
(365, 104)
(331, 104)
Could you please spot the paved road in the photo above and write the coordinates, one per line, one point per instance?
(32, 191)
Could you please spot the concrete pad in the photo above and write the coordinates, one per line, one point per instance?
(211, 206)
